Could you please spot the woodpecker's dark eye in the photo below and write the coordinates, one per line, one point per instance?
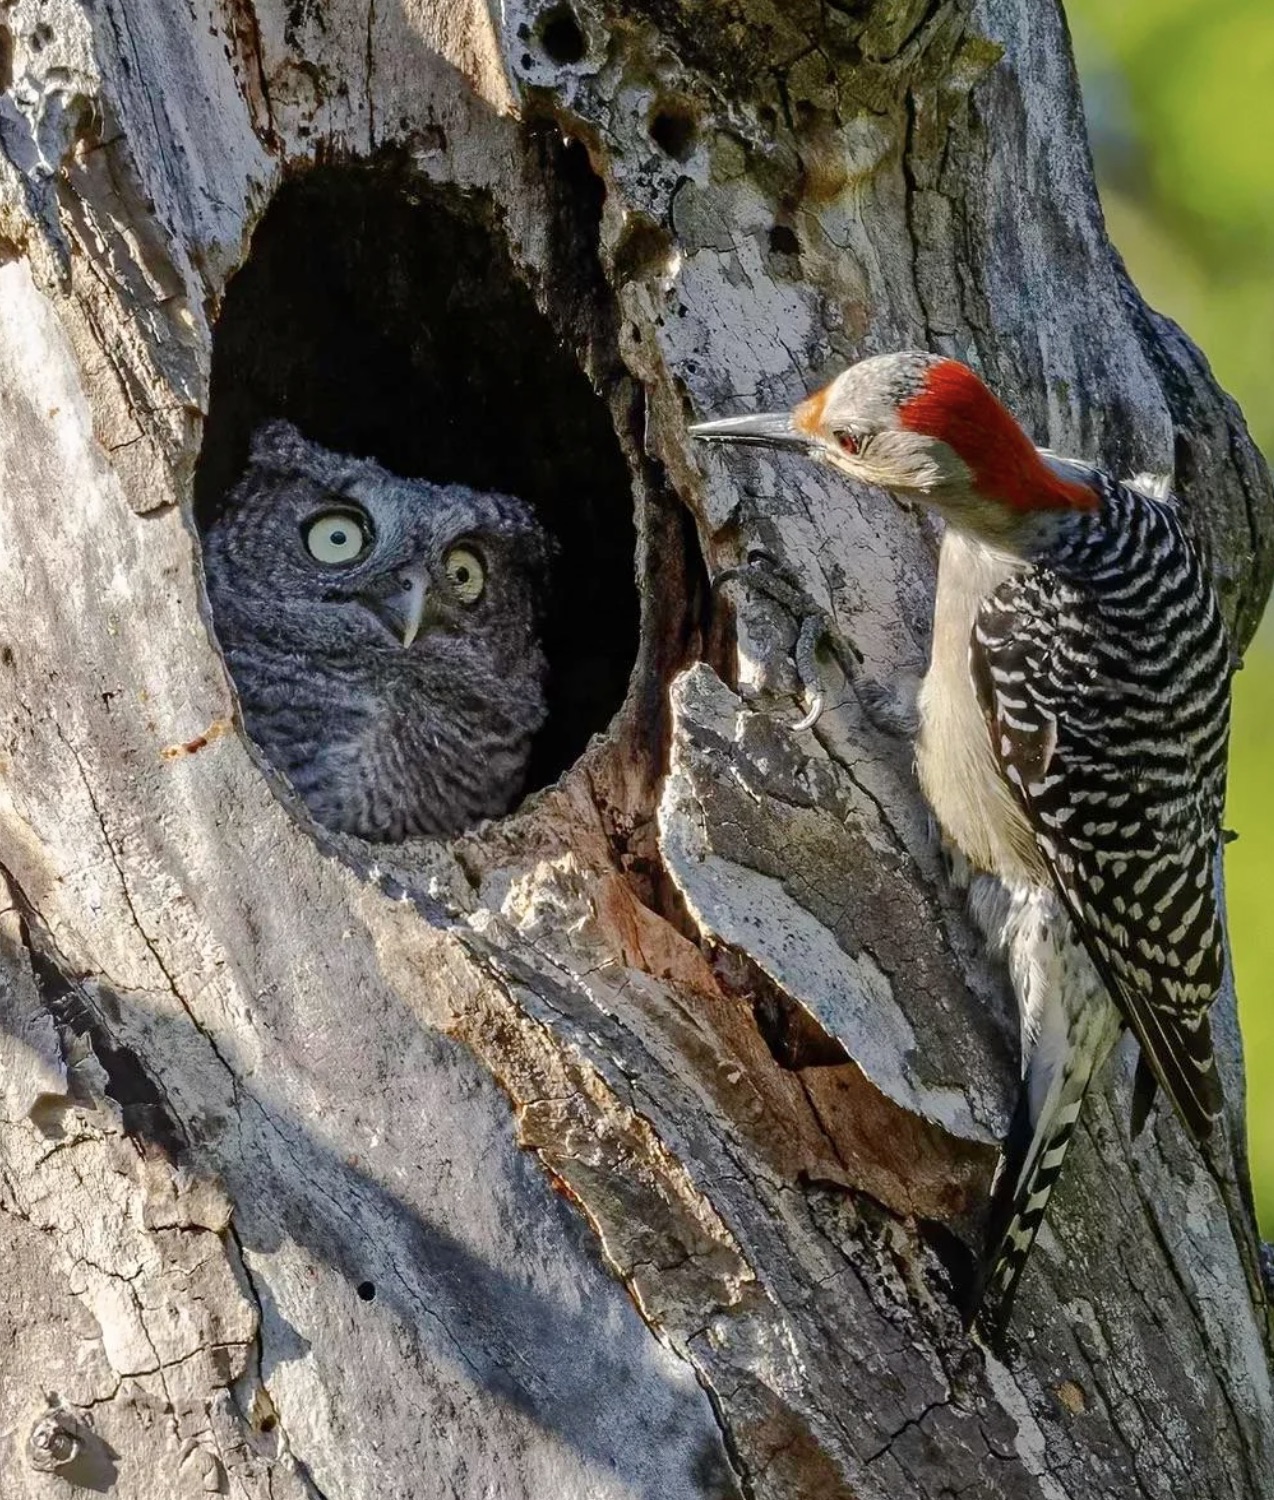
(848, 440)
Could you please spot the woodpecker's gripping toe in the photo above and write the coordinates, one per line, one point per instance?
(815, 628)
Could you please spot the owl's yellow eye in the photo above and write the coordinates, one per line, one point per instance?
(337, 536)
(465, 574)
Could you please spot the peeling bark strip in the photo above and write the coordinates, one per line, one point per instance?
(631, 1147)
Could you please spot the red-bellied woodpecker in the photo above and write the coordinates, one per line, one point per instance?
(1072, 744)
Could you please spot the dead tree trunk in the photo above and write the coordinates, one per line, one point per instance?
(630, 1147)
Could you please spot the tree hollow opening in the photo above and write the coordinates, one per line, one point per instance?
(384, 317)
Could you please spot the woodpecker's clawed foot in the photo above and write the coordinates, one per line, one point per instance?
(762, 573)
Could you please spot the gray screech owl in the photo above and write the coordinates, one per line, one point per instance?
(382, 634)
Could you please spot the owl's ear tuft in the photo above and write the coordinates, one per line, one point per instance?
(540, 556)
(538, 549)
(280, 446)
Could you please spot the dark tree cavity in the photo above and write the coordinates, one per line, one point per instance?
(385, 318)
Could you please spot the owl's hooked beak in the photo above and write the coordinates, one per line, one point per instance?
(413, 597)
(404, 611)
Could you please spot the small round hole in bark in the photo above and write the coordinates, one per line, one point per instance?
(366, 1291)
(384, 317)
(783, 241)
(673, 130)
(562, 37)
(645, 249)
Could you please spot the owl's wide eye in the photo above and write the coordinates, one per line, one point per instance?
(465, 574)
(338, 536)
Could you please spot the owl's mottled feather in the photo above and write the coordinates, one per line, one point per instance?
(381, 739)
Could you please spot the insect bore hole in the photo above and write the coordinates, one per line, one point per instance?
(562, 37)
(673, 130)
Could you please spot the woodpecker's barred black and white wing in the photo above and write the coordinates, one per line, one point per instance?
(1105, 679)
(1104, 674)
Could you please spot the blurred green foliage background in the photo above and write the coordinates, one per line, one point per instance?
(1180, 102)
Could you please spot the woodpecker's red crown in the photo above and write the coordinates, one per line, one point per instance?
(956, 408)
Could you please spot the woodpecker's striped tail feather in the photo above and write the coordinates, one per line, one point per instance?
(1048, 1109)
(1019, 1201)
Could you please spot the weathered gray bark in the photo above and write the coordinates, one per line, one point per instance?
(627, 1154)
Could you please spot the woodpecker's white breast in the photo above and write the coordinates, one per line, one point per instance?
(958, 772)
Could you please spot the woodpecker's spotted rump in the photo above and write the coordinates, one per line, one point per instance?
(1072, 744)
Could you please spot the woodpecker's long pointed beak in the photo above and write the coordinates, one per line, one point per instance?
(404, 610)
(766, 429)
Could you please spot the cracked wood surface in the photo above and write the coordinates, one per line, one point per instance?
(625, 1148)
